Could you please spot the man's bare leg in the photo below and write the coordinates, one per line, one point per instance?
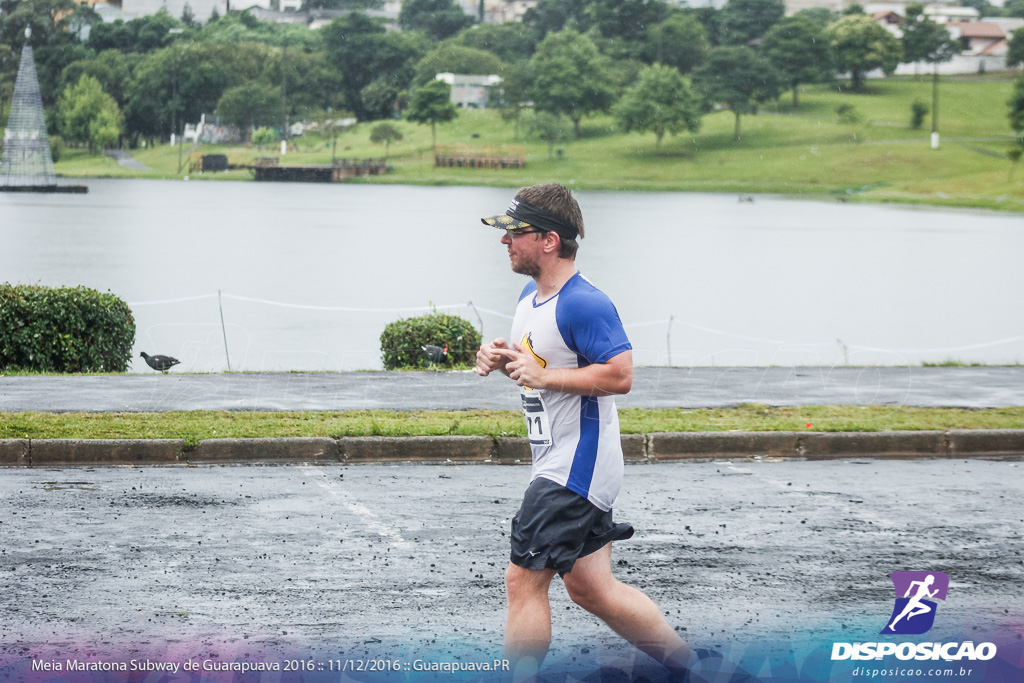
(528, 625)
(626, 610)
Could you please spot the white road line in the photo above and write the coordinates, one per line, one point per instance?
(365, 514)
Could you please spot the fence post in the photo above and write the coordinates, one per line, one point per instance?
(223, 329)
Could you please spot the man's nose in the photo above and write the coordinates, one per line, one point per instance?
(506, 238)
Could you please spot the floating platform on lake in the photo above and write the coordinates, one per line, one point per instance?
(324, 173)
(46, 189)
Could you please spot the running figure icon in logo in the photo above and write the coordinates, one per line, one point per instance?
(914, 611)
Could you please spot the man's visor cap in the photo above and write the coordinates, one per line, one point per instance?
(522, 214)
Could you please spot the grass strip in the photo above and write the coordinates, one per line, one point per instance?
(194, 426)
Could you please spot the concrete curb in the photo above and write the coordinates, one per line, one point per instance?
(360, 449)
(49, 452)
(636, 448)
(263, 451)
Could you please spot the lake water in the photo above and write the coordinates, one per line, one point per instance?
(309, 275)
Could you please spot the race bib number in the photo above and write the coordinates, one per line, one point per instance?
(538, 427)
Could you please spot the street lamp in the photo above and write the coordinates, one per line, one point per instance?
(176, 105)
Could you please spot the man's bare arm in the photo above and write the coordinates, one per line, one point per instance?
(612, 377)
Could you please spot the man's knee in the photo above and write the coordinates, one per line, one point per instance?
(523, 584)
(589, 595)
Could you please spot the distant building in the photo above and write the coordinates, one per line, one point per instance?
(291, 13)
(501, 11)
(469, 91)
(1009, 24)
(201, 9)
(945, 14)
(792, 6)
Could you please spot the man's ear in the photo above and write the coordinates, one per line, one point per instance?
(552, 241)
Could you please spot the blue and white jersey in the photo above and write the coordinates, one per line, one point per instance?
(575, 439)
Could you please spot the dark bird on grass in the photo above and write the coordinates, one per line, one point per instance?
(161, 363)
(435, 354)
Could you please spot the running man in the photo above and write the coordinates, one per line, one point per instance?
(914, 606)
(570, 357)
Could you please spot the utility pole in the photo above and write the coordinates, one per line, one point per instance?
(284, 90)
(935, 105)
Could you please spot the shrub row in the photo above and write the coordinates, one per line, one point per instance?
(402, 342)
(64, 329)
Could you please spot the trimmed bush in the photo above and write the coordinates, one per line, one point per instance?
(918, 110)
(64, 329)
(56, 147)
(402, 342)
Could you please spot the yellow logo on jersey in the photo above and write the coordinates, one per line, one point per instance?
(527, 344)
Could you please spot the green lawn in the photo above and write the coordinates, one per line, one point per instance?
(804, 151)
(194, 426)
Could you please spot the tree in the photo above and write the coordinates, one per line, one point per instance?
(1014, 8)
(251, 105)
(188, 17)
(112, 68)
(312, 82)
(263, 136)
(8, 74)
(680, 41)
(552, 16)
(1016, 103)
(743, 21)
(82, 18)
(360, 48)
(821, 16)
(181, 82)
(46, 18)
(1015, 54)
(799, 51)
(570, 77)
(144, 34)
(737, 77)
(106, 128)
(660, 102)
(551, 128)
(385, 133)
(244, 28)
(431, 103)
(710, 19)
(439, 19)
(860, 45)
(924, 40)
(88, 115)
(512, 96)
(625, 24)
(452, 58)
(511, 41)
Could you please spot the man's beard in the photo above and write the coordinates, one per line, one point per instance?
(527, 267)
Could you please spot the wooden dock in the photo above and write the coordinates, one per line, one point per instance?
(338, 172)
(46, 189)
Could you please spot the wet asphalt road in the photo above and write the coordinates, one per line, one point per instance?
(970, 387)
(399, 560)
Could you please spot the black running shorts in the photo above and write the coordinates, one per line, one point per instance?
(555, 527)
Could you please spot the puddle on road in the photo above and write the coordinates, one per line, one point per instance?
(67, 485)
